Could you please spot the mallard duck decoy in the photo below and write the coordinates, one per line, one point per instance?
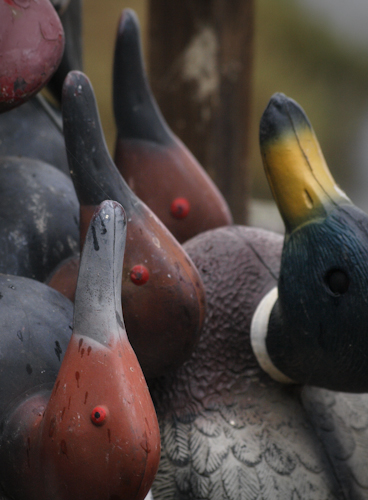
(31, 47)
(89, 432)
(39, 217)
(163, 297)
(233, 424)
(154, 162)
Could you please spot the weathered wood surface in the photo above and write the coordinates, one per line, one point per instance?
(200, 58)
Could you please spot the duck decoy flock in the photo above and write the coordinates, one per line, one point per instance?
(149, 348)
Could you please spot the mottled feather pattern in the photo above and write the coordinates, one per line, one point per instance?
(228, 431)
(278, 457)
(341, 422)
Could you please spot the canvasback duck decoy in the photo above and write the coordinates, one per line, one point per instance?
(39, 214)
(151, 158)
(162, 294)
(31, 47)
(92, 434)
(236, 420)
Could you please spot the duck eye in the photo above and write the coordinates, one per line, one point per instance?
(98, 415)
(180, 208)
(337, 281)
(139, 275)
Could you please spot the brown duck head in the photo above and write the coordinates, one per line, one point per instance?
(154, 162)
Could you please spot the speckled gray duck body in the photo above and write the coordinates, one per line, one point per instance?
(230, 430)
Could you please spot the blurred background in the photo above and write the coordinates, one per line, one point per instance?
(315, 51)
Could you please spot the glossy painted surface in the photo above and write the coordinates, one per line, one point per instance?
(31, 47)
(153, 161)
(168, 310)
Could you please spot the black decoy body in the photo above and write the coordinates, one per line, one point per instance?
(237, 420)
(32, 132)
(39, 214)
(77, 420)
(162, 294)
(154, 162)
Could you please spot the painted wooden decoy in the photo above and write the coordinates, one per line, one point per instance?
(38, 217)
(86, 429)
(154, 162)
(31, 47)
(34, 130)
(233, 425)
(162, 294)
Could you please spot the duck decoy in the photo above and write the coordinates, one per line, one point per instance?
(31, 47)
(162, 294)
(34, 130)
(38, 217)
(237, 420)
(151, 158)
(89, 431)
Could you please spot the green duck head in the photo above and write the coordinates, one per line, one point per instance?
(317, 330)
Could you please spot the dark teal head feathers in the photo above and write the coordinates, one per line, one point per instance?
(318, 328)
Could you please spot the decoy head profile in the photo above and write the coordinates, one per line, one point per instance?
(31, 47)
(97, 436)
(150, 157)
(163, 296)
(317, 328)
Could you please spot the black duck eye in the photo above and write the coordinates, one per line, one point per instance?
(337, 281)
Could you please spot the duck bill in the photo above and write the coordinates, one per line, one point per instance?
(99, 434)
(299, 178)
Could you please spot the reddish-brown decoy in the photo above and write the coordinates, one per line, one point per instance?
(94, 436)
(163, 296)
(233, 425)
(31, 47)
(34, 130)
(154, 162)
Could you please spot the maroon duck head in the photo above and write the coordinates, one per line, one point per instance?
(153, 161)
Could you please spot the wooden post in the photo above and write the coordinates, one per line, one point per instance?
(199, 58)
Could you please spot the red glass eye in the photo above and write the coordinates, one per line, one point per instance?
(99, 415)
(139, 274)
(180, 208)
